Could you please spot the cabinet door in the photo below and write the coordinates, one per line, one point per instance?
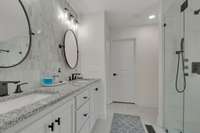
(85, 128)
(64, 118)
(40, 126)
(98, 101)
(92, 108)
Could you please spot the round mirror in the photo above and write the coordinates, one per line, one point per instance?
(15, 33)
(71, 49)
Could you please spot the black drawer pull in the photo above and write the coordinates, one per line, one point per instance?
(85, 115)
(85, 97)
(96, 89)
(51, 127)
(58, 121)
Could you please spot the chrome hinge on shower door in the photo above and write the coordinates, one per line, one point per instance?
(184, 6)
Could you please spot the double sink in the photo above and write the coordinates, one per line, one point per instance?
(24, 100)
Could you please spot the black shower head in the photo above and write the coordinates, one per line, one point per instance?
(197, 12)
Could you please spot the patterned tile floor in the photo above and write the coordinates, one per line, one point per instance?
(148, 116)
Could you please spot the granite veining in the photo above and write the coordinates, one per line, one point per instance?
(12, 118)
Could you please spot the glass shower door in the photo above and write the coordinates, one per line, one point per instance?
(174, 103)
(192, 99)
(182, 110)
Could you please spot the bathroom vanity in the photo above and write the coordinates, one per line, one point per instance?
(73, 107)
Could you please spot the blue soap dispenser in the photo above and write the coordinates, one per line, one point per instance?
(47, 80)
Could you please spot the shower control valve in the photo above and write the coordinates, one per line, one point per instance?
(186, 74)
(186, 60)
(179, 52)
(186, 67)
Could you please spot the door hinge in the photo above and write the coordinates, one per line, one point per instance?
(184, 6)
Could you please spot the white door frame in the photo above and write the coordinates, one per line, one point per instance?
(135, 56)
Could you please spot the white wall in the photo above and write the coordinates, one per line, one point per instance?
(167, 3)
(147, 58)
(108, 42)
(93, 54)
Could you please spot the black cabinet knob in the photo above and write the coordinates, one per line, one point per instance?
(85, 97)
(85, 115)
(58, 121)
(115, 74)
(51, 127)
(96, 89)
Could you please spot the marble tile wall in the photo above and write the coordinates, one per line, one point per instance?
(45, 56)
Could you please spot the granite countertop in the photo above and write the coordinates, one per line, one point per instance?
(58, 93)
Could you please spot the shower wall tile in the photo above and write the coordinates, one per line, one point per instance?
(45, 56)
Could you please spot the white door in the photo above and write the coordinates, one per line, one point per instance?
(123, 71)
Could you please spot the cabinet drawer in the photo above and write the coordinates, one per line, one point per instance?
(82, 98)
(85, 128)
(82, 116)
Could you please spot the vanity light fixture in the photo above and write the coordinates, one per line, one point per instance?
(152, 17)
(66, 13)
(76, 24)
(76, 21)
(71, 17)
(68, 18)
(73, 22)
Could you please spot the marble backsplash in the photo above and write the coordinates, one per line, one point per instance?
(45, 55)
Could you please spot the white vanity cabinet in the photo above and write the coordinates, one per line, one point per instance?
(75, 114)
(59, 121)
(87, 111)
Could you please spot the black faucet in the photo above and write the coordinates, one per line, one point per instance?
(74, 76)
(4, 87)
(5, 51)
(19, 89)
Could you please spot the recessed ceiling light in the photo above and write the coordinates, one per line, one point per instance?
(152, 16)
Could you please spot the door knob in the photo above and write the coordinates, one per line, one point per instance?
(115, 74)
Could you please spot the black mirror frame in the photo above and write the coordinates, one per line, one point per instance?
(71, 67)
(30, 36)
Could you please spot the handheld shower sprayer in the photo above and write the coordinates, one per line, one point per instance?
(181, 59)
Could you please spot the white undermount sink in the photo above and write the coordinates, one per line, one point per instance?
(22, 101)
(81, 81)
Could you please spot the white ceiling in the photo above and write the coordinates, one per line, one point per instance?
(121, 13)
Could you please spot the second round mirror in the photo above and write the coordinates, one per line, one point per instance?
(71, 49)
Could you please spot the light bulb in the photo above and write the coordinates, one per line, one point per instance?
(152, 16)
